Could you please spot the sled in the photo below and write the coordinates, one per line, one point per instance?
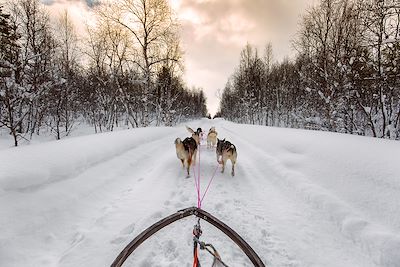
(201, 214)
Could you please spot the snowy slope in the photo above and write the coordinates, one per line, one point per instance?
(299, 198)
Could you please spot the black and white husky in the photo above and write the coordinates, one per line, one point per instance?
(196, 135)
(226, 150)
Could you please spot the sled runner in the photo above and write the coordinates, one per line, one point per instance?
(201, 215)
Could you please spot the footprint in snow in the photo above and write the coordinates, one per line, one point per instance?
(184, 198)
(128, 230)
(124, 233)
(127, 191)
(106, 209)
(78, 237)
(118, 240)
(265, 233)
(170, 250)
(156, 215)
(148, 262)
(259, 218)
(219, 206)
(294, 149)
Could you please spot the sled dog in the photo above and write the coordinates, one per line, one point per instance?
(212, 138)
(226, 150)
(195, 134)
(186, 152)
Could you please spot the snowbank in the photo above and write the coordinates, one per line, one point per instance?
(29, 167)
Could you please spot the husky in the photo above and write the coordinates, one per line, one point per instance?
(226, 150)
(212, 137)
(186, 151)
(195, 134)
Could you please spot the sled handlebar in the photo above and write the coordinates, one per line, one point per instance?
(244, 246)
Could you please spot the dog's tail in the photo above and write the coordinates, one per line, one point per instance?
(232, 147)
(190, 130)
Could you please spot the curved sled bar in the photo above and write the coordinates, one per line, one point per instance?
(254, 258)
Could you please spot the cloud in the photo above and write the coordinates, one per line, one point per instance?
(89, 3)
(237, 22)
(80, 12)
(215, 31)
(92, 3)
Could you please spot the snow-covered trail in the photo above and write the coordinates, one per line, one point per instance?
(336, 184)
(291, 232)
(81, 208)
(56, 217)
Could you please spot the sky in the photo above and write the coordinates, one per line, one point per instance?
(213, 32)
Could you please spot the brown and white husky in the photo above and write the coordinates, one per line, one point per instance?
(212, 138)
(186, 151)
(226, 150)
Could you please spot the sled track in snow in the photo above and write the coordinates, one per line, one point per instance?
(384, 246)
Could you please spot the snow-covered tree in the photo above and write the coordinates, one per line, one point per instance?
(13, 97)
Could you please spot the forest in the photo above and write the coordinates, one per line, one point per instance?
(126, 70)
(345, 76)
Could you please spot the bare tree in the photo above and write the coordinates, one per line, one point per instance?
(61, 96)
(37, 55)
(153, 31)
(381, 25)
(32, 71)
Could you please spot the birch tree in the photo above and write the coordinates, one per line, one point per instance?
(153, 30)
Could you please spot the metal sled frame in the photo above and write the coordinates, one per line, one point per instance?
(251, 254)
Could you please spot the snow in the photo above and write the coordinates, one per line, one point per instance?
(50, 162)
(299, 198)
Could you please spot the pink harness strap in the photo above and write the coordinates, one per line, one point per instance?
(198, 184)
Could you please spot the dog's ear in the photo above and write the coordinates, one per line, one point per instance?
(223, 140)
(190, 130)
